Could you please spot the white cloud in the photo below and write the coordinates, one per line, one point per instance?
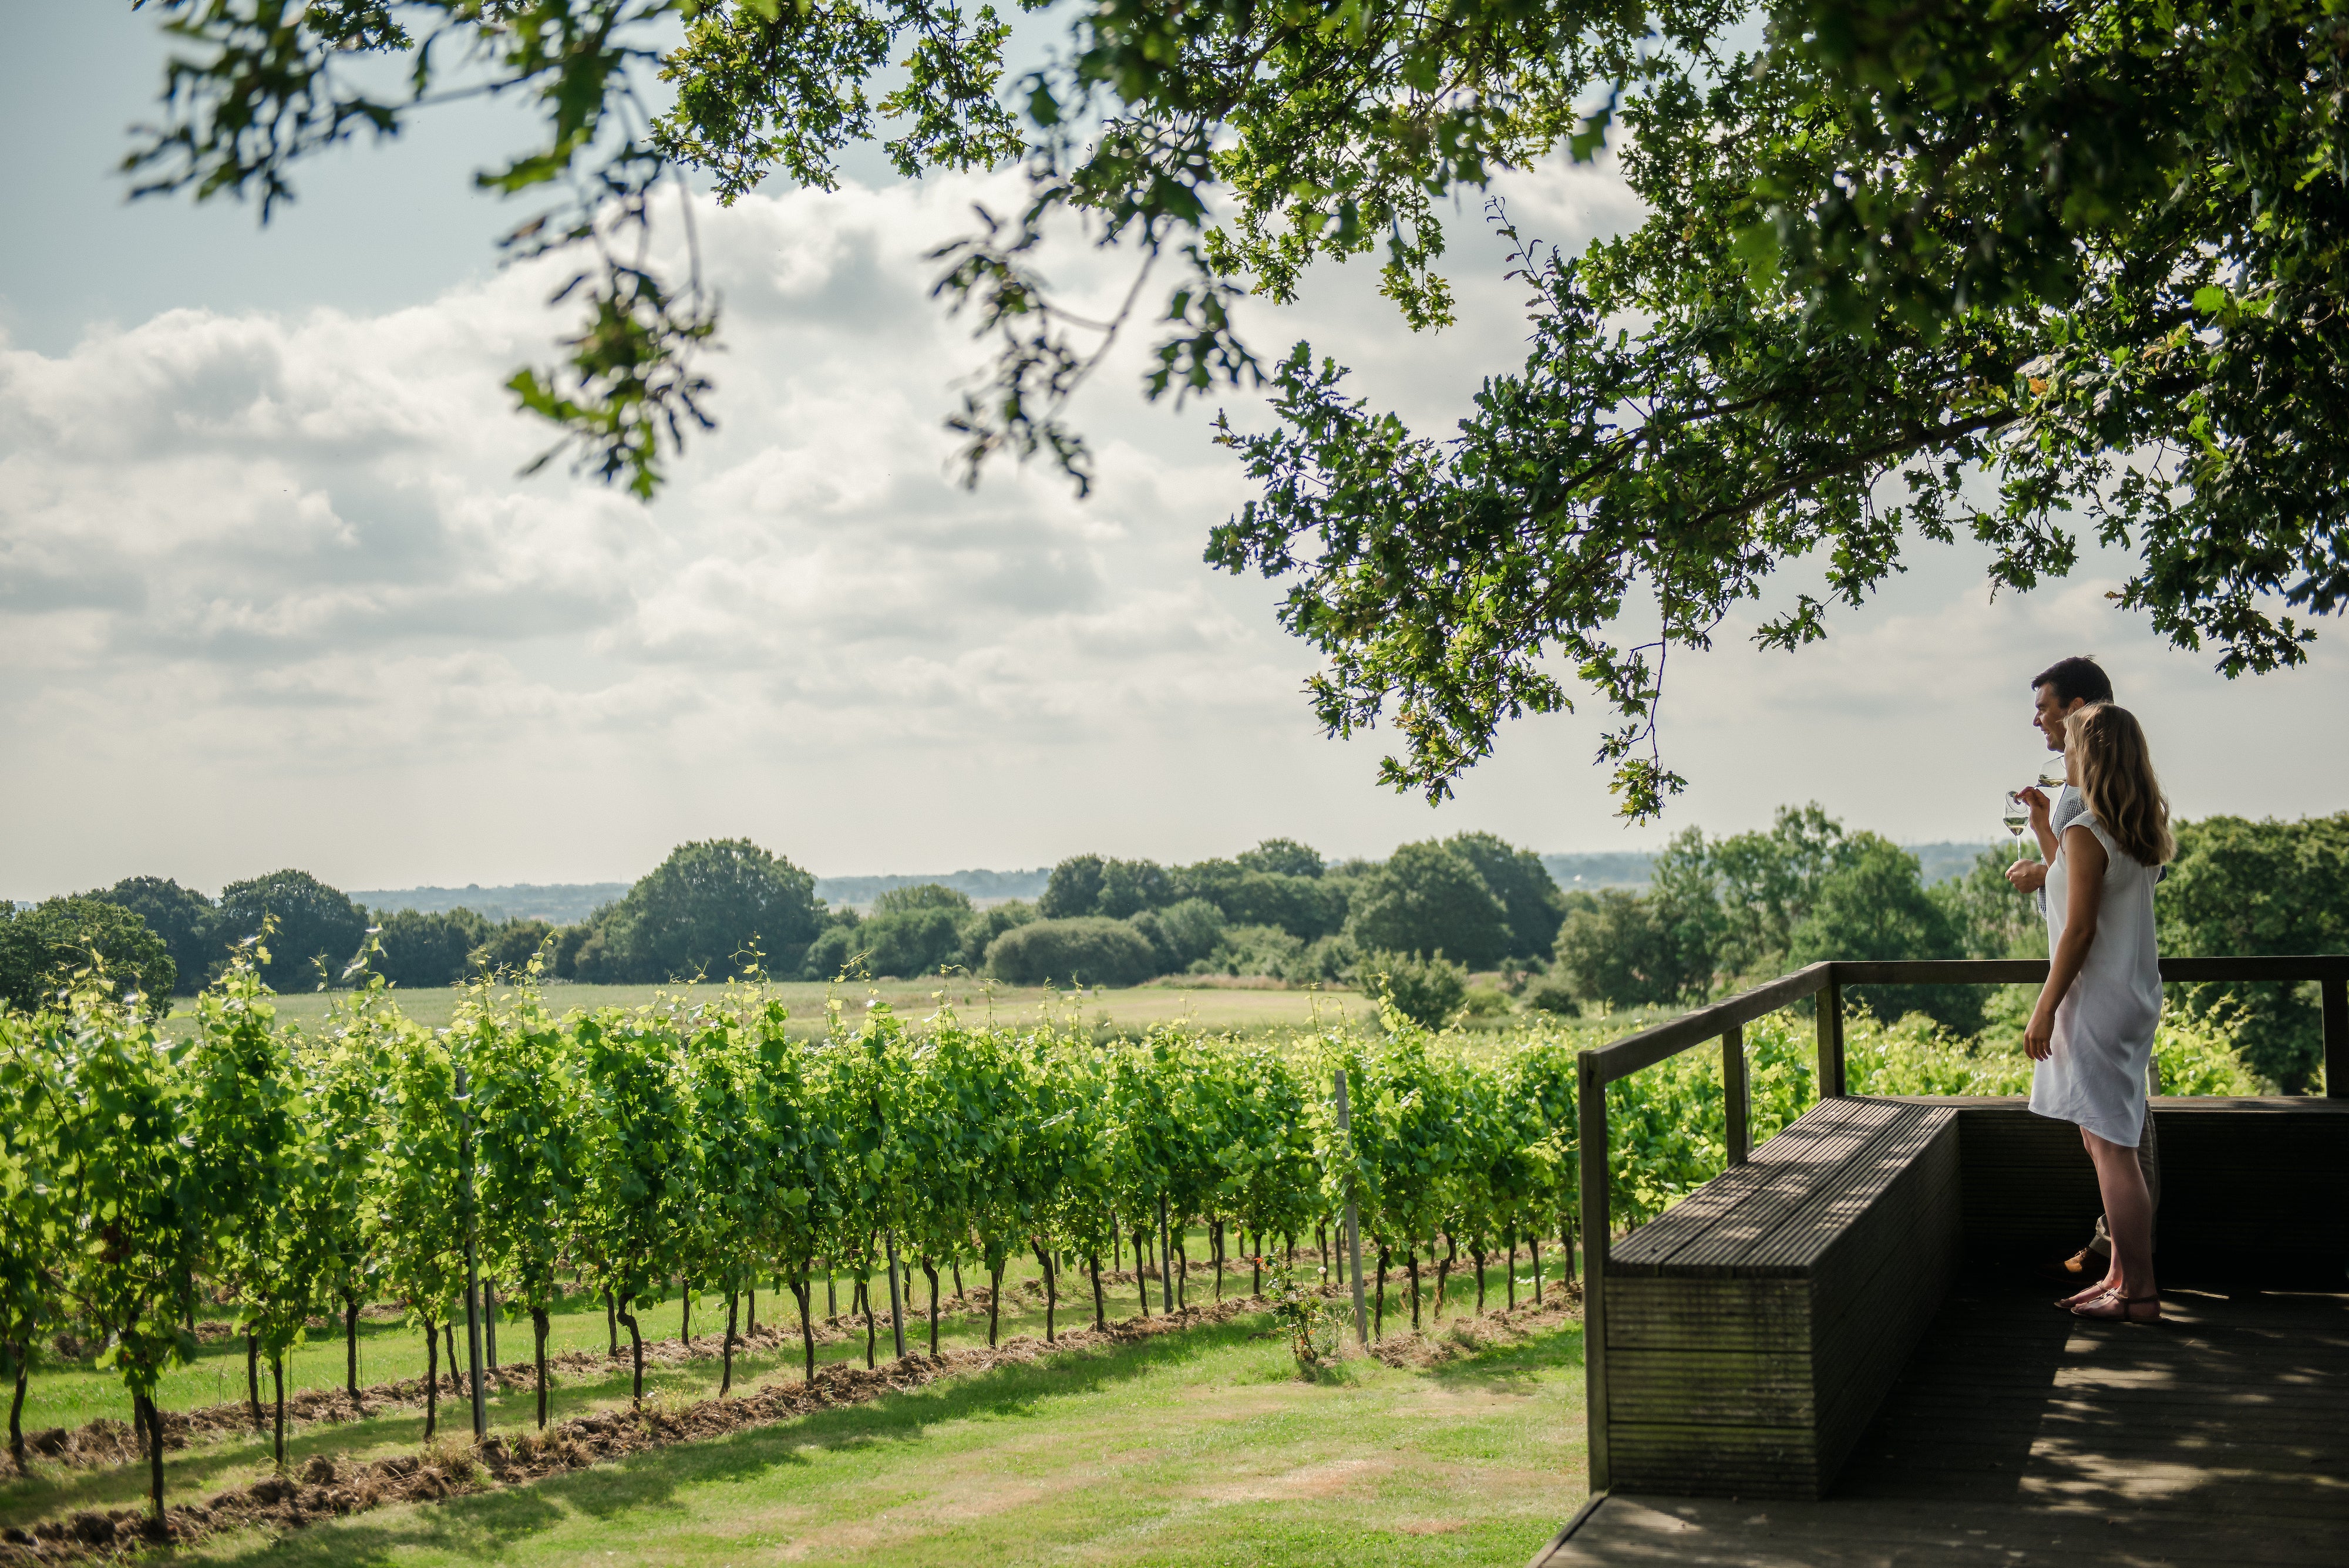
(271, 591)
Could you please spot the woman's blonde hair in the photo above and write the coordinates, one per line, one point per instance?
(2116, 780)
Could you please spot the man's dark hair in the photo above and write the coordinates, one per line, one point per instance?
(2077, 679)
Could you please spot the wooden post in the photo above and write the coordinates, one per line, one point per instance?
(2336, 992)
(1732, 1082)
(1591, 1140)
(1165, 1260)
(1831, 1040)
(1353, 1220)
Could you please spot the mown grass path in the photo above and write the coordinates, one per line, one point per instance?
(1204, 1447)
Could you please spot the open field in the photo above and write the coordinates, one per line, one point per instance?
(1136, 1010)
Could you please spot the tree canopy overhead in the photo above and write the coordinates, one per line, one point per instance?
(2013, 272)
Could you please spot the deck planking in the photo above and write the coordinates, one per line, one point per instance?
(2020, 1435)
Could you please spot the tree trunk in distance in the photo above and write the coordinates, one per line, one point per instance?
(1410, 1267)
(277, 1383)
(23, 1356)
(612, 1323)
(1101, 1308)
(154, 1455)
(802, 1289)
(252, 1378)
(864, 1288)
(750, 1312)
(1565, 1241)
(1255, 1266)
(831, 1294)
(635, 1354)
(930, 1268)
(456, 1378)
(1380, 1333)
(1537, 1241)
(726, 1378)
(1182, 1266)
(956, 1265)
(538, 1327)
(994, 1299)
(1141, 1280)
(351, 1344)
(490, 1324)
(431, 1379)
(1044, 1262)
(1510, 1241)
(685, 1311)
(1477, 1258)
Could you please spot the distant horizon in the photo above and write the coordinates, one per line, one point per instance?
(527, 899)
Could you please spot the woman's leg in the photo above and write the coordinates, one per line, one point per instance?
(2128, 1215)
(2111, 1274)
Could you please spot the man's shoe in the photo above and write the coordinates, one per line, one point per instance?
(2082, 1269)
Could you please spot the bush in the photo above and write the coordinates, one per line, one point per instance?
(1620, 949)
(1088, 950)
(1265, 950)
(421, 950)
(183, 917)
(1485, 1002)
(923, 895)
(316, 925)
(1429, 898)
(509, 949)
(1551, 993)
(906, 942)
(701, 911)
(41, 946)
(1325, 960)
(1427, 991)
(1875, 906)
(1181, 935)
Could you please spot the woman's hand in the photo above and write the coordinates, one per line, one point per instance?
(2039, 1034)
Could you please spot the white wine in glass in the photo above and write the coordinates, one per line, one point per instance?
(2017, 815)
(2050, 777)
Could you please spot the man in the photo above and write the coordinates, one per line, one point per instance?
(2057, 692)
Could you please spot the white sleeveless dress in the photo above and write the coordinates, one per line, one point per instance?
(2105, 1024)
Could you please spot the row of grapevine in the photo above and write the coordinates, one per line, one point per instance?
(295, 1174)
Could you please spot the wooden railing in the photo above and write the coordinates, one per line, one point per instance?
(1726, 1021)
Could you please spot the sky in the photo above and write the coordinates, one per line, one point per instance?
(273, 592)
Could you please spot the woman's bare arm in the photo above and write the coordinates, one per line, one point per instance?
(2085, 869)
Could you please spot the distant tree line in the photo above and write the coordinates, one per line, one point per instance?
(1719, 914)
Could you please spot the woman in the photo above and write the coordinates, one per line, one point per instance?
(2092, 1034)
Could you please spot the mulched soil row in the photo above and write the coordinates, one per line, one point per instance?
(327, 1488)
(104, 1441)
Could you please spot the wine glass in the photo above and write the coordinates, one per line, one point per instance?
(2017, 815)
(2050, 777)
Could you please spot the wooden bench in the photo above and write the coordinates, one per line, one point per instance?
(1754, 1329)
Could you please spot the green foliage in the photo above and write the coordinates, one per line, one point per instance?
(2247, 887)
(311, 925)
(1182, 934)
(1617, 948)
(422, 950)
(1988, 918)
(911, 941)
(1091, 951)
(1428, 897)
(924, 896)
(1531, 901)
(1426, 989)
(1874, 906)
(511, 946)
(43, 948)
(1310, 1322)
(1281, 857)
(702, 911)
(183, 917)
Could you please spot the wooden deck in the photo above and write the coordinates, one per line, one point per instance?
(2020, 1435)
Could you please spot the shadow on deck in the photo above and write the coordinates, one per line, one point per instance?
(2018, 1434)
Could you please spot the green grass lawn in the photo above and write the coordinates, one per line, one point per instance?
(1199, 1448)
(1154, 1384)
(1133, 1009)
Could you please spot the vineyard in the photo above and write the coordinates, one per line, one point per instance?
(290, 1174)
